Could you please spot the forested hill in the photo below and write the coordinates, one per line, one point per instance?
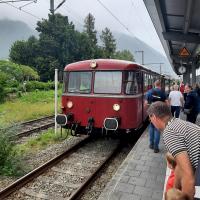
(151, 55)
(11, 31)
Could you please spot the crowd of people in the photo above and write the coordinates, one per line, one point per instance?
(181, 137)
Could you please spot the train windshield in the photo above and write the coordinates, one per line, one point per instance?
(80, 82)
(108, 82)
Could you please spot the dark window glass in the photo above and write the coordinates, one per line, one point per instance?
(64, 81)
(150, 82)
(167, 86)
(145, 82)
(132, 82)
(80, 82)
(108, 82)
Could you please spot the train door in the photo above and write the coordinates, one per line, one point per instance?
(139, 76)
(145, 89)
(142, 91)
(162, 83)
(133, 91)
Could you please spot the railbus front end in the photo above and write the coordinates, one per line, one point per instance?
(105, 94)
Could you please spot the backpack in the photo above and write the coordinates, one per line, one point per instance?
(155, 95)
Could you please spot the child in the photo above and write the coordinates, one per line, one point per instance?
(175, 194)
(171, 163)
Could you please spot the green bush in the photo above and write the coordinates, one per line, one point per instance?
(19, 93)
(2, 94)
(10, 164)
(33, 85)
(3, 79)
(11, 90)
(13, 84)
(18, 72)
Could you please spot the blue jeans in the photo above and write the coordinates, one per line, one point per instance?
(176, 110)
(154, 136)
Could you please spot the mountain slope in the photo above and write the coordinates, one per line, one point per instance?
(16, 30)
(133, 44)
(10, 32)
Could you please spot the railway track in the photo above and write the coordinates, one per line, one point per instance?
(66, 176)
(26, 128)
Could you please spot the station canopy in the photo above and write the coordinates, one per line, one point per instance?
(178, 27)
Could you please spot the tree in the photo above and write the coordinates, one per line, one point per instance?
(57, 39)
(59, 44)
(3, 79)
(89, 28)
(91, 33)
(124, 55)
(46, 67)
(109, 43)
(16, 72)
(18, 52)
(24, 52)
(12, 74)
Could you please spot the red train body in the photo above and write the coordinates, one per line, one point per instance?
(107, 94)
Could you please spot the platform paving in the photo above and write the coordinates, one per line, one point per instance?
(142, 175)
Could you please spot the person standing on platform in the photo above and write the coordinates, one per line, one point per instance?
(182, 140)
(153, 95)
(197, 90)
(176, 101)
(182, 88)
(191, 104)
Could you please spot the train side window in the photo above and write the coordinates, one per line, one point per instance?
(154, 79)
(65, 82)
(167, 86)
(108, 82)
(150, 85)
(132, 82)
(80, 82)
(145, 82)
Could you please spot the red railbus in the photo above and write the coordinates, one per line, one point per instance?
(105, 94)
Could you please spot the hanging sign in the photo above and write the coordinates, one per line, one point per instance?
(184, 52)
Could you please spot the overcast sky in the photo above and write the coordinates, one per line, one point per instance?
(131, 13)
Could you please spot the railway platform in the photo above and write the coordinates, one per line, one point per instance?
(142, 175)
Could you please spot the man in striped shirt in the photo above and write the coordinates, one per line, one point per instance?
(182, 140)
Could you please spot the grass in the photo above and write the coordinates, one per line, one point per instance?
(12, 156)
(10, 162)
(40, 142)
(29, 106)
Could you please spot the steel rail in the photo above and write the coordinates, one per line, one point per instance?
(25, 133)
(28, 122)
(38, 171)
(80, 190)
(36, 120)
(32, 130)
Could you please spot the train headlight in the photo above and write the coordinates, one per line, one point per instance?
(93, 64)
(116, 107)
(69, 104)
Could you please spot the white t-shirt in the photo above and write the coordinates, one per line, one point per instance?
(175, 98)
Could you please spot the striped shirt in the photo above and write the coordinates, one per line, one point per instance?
(182, 136)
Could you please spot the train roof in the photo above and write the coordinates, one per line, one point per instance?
(105, 64)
